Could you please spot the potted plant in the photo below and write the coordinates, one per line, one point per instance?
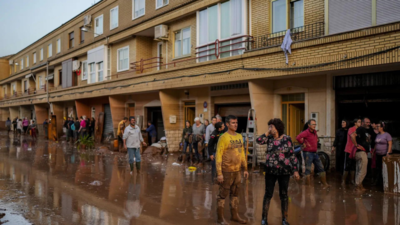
(85, 142)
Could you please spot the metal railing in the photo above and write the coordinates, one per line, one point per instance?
(297, 34)
(144, 64)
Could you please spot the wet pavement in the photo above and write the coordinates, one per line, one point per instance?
(54, 183)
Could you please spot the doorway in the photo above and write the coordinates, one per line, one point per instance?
(154, 114)
(293, 114)
(190, 112)
(240, 110)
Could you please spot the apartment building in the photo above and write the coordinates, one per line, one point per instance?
(168, 61)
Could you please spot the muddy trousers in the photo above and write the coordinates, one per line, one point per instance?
(283, 181)
(230, 186)
(362, 164)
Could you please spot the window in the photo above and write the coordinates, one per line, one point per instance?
(26, 86)
(296, 14)
(98, 26)
(27, 61)
(34, 57)
(279, 15)
(100, 71)
(58, 45)
(182, 42)
(41, 54)
(82, 36)
(50, 51)
(114, 18)
(71, 40)
(14, 88)
(92, 73)
(41, 86)
(138, 8)
(231, 22)
(123, 59)
(161, 3)
(22, 64)
(84, 70)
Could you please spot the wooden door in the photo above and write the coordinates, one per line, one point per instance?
(52, 129)
(99, 127)
(190, 114)
(296, 120)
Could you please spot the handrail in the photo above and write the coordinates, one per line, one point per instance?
(297, 34)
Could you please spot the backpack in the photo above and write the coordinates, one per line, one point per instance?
(73, 127)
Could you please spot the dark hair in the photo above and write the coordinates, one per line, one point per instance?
(149, 122)
(347, 123)
(229, 118)
(131, 117)
(218, 125)
(280, 127)
(356, 119)
(213, 117)
(305, 127)
(383, 125)
(125, 118)
(187, 121)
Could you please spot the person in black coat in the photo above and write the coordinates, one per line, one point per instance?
(212, 145)
(340, 144)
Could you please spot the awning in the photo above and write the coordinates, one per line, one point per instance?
(50, 76)
(29, 75)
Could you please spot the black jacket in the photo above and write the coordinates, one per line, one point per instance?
(212, 143)
(341, 138)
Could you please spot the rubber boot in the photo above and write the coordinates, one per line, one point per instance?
(264, 220)
(235, 212)
(374, 177)
(131, 165)
(307, 179)
(353, 177)
(220, 212)
(138, 167)
(284, 208)
(344, 178)
(323, 180)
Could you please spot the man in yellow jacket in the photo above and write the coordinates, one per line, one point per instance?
(230, 157)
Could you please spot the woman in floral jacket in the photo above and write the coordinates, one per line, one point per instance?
(280, 164)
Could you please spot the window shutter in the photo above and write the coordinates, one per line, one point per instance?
(349, 15)
(64, 74)
(387, 11)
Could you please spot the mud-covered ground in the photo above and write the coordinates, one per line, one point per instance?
(54, 183)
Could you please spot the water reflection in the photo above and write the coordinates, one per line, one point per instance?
(57, 184)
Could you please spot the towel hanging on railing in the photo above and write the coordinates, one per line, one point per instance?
(287, 42)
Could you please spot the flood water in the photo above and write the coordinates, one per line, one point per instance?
(54, 183)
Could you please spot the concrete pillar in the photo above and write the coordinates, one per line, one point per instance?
(170, 107)
(42, 113)
(82, 108)
(4, 114)
(117, 105)
(25, 111)
(262, 100)
(14, 112)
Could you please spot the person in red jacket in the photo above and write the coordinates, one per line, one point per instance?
(309, 139)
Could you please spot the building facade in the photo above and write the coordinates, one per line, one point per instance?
(168, 61)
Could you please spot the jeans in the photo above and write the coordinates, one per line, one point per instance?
(75, 134)
(185, 145)
(362, 165)
(134, 153)
(312, 158)
(196, 150)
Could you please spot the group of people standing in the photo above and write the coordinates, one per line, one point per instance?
(78, 127)
(22, 126)
(354, 144)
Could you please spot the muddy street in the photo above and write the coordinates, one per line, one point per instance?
(54, 183)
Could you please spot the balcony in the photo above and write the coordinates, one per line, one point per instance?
(42, 89)
(297, 34)
(29, 91)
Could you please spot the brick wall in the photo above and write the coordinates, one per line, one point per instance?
(174, 137)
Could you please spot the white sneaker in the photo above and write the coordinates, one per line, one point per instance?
(130, 173)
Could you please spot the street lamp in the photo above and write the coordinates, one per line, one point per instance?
(84, 29)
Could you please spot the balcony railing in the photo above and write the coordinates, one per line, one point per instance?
(297, 34)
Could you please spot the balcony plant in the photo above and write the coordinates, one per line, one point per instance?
(85, 142)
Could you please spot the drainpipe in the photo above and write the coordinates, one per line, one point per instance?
(47, 86)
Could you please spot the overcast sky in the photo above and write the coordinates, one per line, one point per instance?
(23, 22)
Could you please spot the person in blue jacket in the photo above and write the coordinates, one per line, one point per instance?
(151, 129)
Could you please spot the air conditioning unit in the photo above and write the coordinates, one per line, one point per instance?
(87, 21)
(75, 65)
(161, 32)
(10, 62)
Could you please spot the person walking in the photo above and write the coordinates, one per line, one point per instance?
(19, 127)
(33, 127)
(229, 158)
(151, 129)
(349, 163)
(77, 125)
(309, 140)
(92, 126)
(25, 124)
(280, 164)
(46, 128)
(132, 139)
(361, 151)
(339, 145)
(212, 146)
(8, 125)
(383, 147)
(120, 131)
(186, 140)
(209, 129)
(198, 135)
(82, 126)
(15, 123)
(69, 129)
